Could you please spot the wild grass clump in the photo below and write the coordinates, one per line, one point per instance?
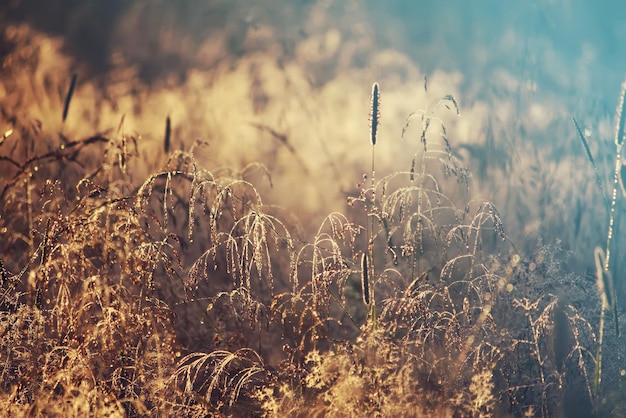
(82, 325)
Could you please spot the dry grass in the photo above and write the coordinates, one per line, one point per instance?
(182, 293)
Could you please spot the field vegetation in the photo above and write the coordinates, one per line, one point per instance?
(145, 278)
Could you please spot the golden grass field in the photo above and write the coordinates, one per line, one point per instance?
(277, 210)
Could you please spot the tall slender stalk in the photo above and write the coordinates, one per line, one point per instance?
(606, 271)
(619, 142)
(368, 273)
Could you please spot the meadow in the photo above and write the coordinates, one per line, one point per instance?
(163, 255)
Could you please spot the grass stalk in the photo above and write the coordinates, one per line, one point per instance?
(369, 270)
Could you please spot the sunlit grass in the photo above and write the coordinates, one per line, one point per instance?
(171, 287)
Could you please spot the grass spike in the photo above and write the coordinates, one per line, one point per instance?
(620, 118)
(365, 282)
(68, 97)
(374, 112)
(600, 284)
(168, 131)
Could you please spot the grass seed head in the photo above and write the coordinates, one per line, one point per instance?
(620, 117)
(374, 113)
(168, 131)
(365, 284)
(68, 97)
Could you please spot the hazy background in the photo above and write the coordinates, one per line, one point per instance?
(287, 83)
